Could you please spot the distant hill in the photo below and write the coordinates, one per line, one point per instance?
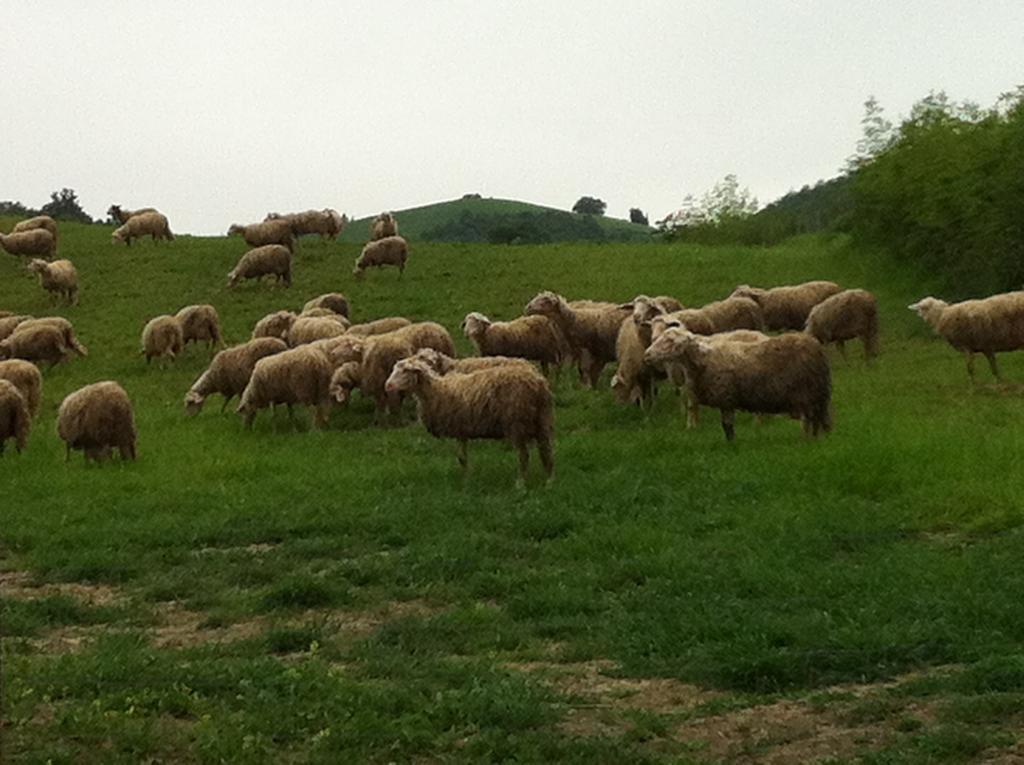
(501, 221)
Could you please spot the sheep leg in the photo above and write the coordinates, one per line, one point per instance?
(524, 462)
(993, 366)
(547, 457)
(729, 424)
(692, 410)
(248, 420)
(970, 364)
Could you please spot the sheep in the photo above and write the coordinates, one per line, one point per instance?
(59, 278)
(162, 336)
(40, 221)
(379, 326)
(427, 334)
(274, 324)
(787, 374)
(633, 381)
(229, 372)
(991, 325)
(383, 226)
(36, 242)
(152, 224)
(60, 324)
(96, 419)
(507, 402)
(307, 329)
(528, 337)
(297, 376)
(15, 419)
(327, 223)
(9, 323)
(277, 231)
(786, 308)
(40, 343)
(590, 332)
(25, 376)
(200, 323)
(345, 379)
(275, 259)
(332, 301)
(845, 316)
(389, 251)
(444, 364)
(122, 215)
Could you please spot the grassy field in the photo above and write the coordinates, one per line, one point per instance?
(283, 595)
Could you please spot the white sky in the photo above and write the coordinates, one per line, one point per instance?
(222, 111)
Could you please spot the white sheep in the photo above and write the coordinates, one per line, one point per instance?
(96, 419)
(389, 251)
(297, 376)
(268, 260)
(151, 224)
(229, 372)
(58, 278)
(162, 336)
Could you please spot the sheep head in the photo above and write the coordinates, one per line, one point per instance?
(661, 323)
(745, 290)
(546, 303)
(37, 266)
(235, 228)
(115, 212)
(475, 324)
(928, 308)
(437, 361)
(672, 343)
(407, 375)
(344, 380)
(193, 403)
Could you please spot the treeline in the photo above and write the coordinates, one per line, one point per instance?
(63, 205)
(526, 228)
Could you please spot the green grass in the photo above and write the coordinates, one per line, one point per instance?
(356, 600)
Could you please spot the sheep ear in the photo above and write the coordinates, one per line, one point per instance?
(627, 306)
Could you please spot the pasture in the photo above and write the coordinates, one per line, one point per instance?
(282, 595)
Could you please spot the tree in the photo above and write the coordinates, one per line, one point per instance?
(63, 205)
(589, 206)
(878, 135)
(724, 203)
(636, 215)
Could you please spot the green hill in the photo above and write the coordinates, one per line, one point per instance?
(502, 220)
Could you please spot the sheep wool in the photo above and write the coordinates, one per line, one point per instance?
(383, 226)
(39, 343)
(267, 260)
(162, 336)
(151, 224)
(229, 372)
(60, 324)
(308, 329)
(122, 215)
(25, 376)
(787, 307)
(274, 324)
(444, 364)
(96, 419)
(34, 242)
(389, 251)
(332, 301)
(58, 278)
(846, 315)
(379, 326)
(276, 231)
(536, 338)
(39, 221)
(15, 419)
(9, 323)
(297, 376)
(200, 323)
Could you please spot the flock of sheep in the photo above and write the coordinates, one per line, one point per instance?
(719, 355)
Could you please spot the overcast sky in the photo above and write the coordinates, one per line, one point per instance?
(222, 111)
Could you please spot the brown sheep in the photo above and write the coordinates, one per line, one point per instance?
(62, 325)
(268, 232)
(444, 364)
(58, 278)
(427, 334)
(40, 343)
(327, 223)
(200, 323)
(162, 336)
(332, 301)
(151, 224)
(845, 316)
(96, 419)
(507, 402)
(35, 242)
(268, 260)
(9, 323)
(15, 419)
(383, 226)
(308, 329)
(379, 326)
(297, 376)
(536, 338)
(274, 324)
(345, 379)
(787, 374)
(229, 372)
(39, 221)
(787, 307)
(390, 251)
(122, 215)
(634, 380)
(989, 326)
(25, 376)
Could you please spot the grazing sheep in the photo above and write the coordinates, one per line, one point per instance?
(427, 334)
(379, 326)
(229, 372)
(162, 336)
(507, 402)
(845, 316)
(274, 324)
(96, 419)
(345, 379)
(389, 251)
(59, 323)
(40, 343)
(152, 224)
(25, 376)
(444, 364)
(122, 215)
(297, 376)
(59, 278)
(536, 338)
(277, 231)
(332, 301)
(270, 259)
(734, 313)
(383, 226)
(9, 323)
(40, 221)
(35, 242)
(200, 323)
(590, 332)
(787, 374)
(787, 307)
(989, 326)
(308, 329)
(666, 303)
(327, 223)
(15, 419)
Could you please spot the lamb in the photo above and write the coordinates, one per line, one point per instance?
(9, 323)
(15, 419)
(96, 419)
(787, 374)
(152, 224)
(59, 323)
(275, 259)
(389, 251)
(507, 402)
(200, 323)
(229, 372)
(444, 364)
(278, 231)
(332, 301)
(39, 221)
(327, 223)
(787, 307)
(991, 325)
(122, 215)
(379, 326)
(59, 278)
(383, 226)
(297, 376)
(162, 336)
(845, 316)
(307, 329)
(39, 343)
(591, 332)
(25, 376)
(274, 324)
(35, 242)
(528, 337)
